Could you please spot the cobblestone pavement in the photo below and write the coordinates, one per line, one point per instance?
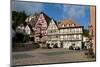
(42, 56)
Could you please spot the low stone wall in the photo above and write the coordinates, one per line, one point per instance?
(25, 46)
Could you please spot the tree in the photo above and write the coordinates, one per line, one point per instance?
(86, 32)
(18, 18)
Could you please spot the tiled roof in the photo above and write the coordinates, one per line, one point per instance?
(47, 18)
(67, 23)
(34, 18)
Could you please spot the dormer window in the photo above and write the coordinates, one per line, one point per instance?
(73, 25)
(67, 25)
(63, 25)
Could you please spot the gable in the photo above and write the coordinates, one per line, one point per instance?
(31, 20)
(41, 21)
(52, 25)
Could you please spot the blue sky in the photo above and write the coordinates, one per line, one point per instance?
(79, 14)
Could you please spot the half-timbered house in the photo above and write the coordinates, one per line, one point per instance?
(39, 24)
(63, 34)
(70, 34)
(53, 34)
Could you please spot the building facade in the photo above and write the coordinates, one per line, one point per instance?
(53, 34)
(39, 24)
(41, 28)
(48, 31)
(65, 34)
(70, 34)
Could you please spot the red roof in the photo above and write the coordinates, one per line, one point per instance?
(67, 23)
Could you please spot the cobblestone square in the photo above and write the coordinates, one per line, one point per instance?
(45, 56)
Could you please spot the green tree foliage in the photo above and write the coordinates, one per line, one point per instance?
(86, 32)
(18, 18)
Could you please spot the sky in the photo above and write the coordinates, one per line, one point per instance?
(78, 13)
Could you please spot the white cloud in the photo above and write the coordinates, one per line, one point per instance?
(28, 7)
(74, 11)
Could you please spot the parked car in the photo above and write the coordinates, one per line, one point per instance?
(73, 47)
(55, 45)
(77, 48)
(48, 46)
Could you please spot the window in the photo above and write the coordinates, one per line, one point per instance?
(80, 37)
(50, 31)
(68, 30)
(63, 25)
(67, 25)
(73, 25)
(77, 30)
(56, 36)
(66, 36)
(72, 37)
(64, 31)
(73, 30)
(61, 31)
(80, 30)
(77, 37)
(61, 37)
